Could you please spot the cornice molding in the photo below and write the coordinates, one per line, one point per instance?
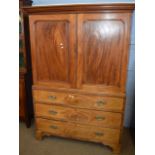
(129, 7)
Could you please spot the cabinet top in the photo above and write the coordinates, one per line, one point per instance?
(127, 7)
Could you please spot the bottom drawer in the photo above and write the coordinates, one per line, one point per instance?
(73, 130)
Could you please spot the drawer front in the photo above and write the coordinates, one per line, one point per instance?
(80, 101)
(83, 132)
(92, 117)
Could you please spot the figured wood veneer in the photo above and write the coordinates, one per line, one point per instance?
(102, 66)
(103, 63)
(53, 53)
(83, 116)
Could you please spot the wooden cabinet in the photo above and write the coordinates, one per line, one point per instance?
(79, 59)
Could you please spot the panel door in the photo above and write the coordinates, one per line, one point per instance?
(102, 51)
(52, 49)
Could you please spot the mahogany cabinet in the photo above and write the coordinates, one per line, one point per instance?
(79, 56)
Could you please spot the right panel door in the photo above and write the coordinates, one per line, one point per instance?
(102, 51)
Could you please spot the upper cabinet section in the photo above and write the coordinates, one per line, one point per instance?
(80, 46)
(52, 48)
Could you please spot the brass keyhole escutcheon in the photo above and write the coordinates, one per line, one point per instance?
(52, 97)
(100, 102)
(100, 118)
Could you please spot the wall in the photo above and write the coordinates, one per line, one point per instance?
(45, 2)
(130, 89)
(130, 99)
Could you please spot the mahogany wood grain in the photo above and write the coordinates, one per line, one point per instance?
(83, 116)
(52, 49)
(104, 62)
(79, 100)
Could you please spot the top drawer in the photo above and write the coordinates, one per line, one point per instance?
(79, 100)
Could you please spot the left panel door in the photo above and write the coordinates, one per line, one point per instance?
(53, 49)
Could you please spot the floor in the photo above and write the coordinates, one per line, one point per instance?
(59, 146)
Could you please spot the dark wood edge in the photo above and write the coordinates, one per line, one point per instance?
(79, 7)
(22, 71)
(132, 133)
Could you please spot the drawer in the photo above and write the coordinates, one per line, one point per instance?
(83, 116)
(79, 100)
(77, 131)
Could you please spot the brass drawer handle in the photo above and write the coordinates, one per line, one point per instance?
(100, 118)
(53, 127)
(101, 102)
(52, 97)
(53, 112)
(99, 133)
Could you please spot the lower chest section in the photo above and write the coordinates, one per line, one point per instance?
(74, 115)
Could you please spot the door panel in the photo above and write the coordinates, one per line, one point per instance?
(52, 57)
(101, 50)
(52, 47)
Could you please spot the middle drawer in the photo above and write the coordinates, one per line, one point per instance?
(91, 117)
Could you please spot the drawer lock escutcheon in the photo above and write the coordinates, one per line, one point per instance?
(100, 118)
(53, 112)
(52, 97)
(100, 102)
(99, 134)
(53, 127)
